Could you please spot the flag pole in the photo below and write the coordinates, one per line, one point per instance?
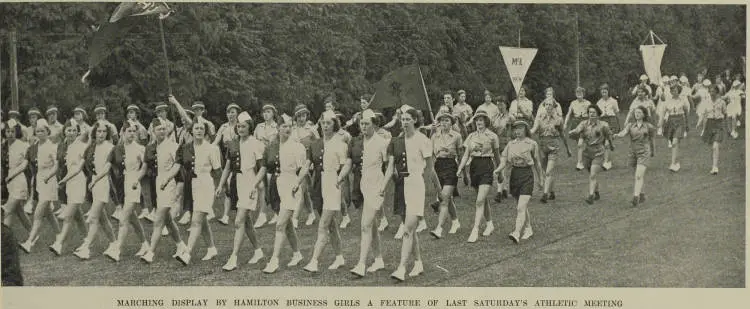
(166, 58)
(578, 56)
(13, 71)
(432, 116)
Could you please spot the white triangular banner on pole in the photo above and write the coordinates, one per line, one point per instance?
(652, 55)
(517, 61)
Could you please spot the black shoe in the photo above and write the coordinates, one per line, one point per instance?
(590, 200)
(596, 196)
(544, 198)
(466, 181)
(635, 201)
(552, 196)
(505, 193)
(499, 198)
(435, 206)
(642, 198)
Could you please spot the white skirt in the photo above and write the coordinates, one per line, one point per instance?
(284, 183)
(167, 197)
(132, 196)
(203, 193)
(414, 190)
(734, 109)
(75, 189)
(18, 188)
(47, 191)
(370, 185)
(245, 182)
(331, 194)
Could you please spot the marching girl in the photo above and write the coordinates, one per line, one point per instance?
(673, 122)
(446, 145)
(44, 162)
(15, 179)
(346, 198)
(522, 108)
(596, 135)
(98, 158)
(199, 159)
(642, 99)
(331, 163)
(522, 155)
(502, 124)
(549, 125)
(711, 115)
(305, 133)
(413, 152)
(641, 133)
(129, 164)
(55, 127)
(250, 171)
(224, 136)
(71, 160)
(266, 132)
(488, 107)
(165, 167)
(374, 182)
(609, 109)
(291, 172)
(100, 112)
(576, 114)
(734, 109)
(377, 123)
(80, 115)
(481, 149)
(184, 136)
(30, 136)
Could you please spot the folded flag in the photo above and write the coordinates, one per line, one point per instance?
(401, 86)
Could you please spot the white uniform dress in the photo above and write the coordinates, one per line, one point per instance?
(166, 158)
(292, 157)
(418, 149)
(75, 188)
(374, 154)
(102, 153)
(47, 160)
(134, 154)
(207, 159)
(734, 108)
(251, 150)
(334, 155)
(18, 188)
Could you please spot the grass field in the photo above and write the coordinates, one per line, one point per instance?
(689, 233)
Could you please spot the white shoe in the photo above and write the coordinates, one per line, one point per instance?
(28, 208)
(358, 270)
(383, 224)
(488, 229)
(113, 253)
(59, 211)
(514, 236)
(148, 257)
(143, 250)
(473, 236)
(399, 274)
(527, 233)
(117, 214)
(211, 215)
(715, 171)
(164, 231)
(345, 222)
(378, 264)
(310, 219)
(231, 263)
(417, 270)
(580, 166)
(181, 247)
(421, 226)
(150, 216)
(84, 253)
(337, 263)
(211, 252)
(184, 258)
(437, 232)
(677, 167)
(295, 223)
(144, 214)
(455, 225)
(296, 258)
(56, 248)
(186, 217)
(261, 221)
(607, 165)
(273, 219)
(224, 220)
(272, 266)
(311, 267)
(734, 134)
(257, 256)
(400, 232)
(26, 246)
(669, 144)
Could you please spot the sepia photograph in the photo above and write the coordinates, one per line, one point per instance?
(481, 145)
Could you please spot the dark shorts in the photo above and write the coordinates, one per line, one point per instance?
(521, 181)
(356, 194)
(592, 157)
(675, 127)
(273, 194)
(714, 131)
(446, 169)
(481, 171)
(613, 122)
(548, 148)
(231, 193)
(148, 192)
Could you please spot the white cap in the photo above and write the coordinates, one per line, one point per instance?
(673, 77)
(368, 113)
(736, 83)
(684, 79)
(644, 77)
(405, 108)
(706, 82)
(244, 116)
(329, 114)
(665, 78)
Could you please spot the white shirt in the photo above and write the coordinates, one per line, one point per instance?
(166, 156)
(251, 150)
(134, 153)
(579, 108)
(207, 158)
(521, 108)
(374, 154)
(101, 156)
(74, 155)
(17, 153)
(46, 157)
(609, 106)
(334, 154)
(418, 149)
(292, 156)
(491, 109)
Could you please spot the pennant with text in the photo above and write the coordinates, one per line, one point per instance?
(517, 61)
